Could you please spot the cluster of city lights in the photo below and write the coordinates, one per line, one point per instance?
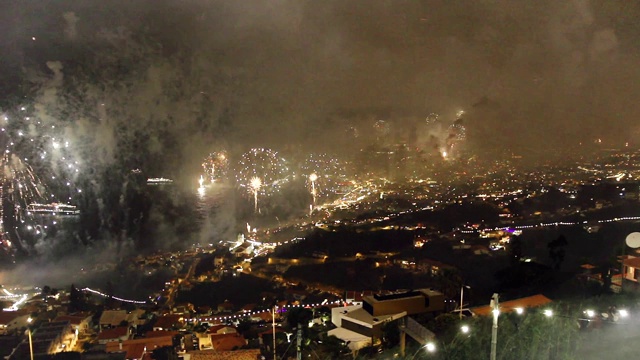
(559, 223)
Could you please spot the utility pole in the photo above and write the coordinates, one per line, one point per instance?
(273, 323)
(495, 309)
(299, 342)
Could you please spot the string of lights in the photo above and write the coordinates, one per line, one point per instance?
(560, 223)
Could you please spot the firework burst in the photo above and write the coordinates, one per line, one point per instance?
(264, 164)
(216, 165)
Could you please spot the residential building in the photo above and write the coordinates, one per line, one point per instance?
(79, 323)
(249, 354)
(112, 318)
(120, 333)
(169, 322)
(359, 324)
(137, 348)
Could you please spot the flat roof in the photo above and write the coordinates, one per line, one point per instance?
(402, 295)
(508, 306)
(348, 335)
(362, 317)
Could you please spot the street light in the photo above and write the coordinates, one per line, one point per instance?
(519, 310)
(431, 347)
(29, 320)
(548, 313)
(464, 329)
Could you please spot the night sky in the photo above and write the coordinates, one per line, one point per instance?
(192, 74)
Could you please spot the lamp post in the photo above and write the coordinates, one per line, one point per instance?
(273, 323)
(462, 297)
(495, 306)
(29, 320)
(431, 347)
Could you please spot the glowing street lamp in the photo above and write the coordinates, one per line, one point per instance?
(548, 313)
(256, 183)
(519, 310)
(465, 329)
(430, 347)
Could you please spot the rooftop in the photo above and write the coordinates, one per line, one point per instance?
(511, 305)
(362, 317)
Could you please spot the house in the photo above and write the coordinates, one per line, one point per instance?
(112, 318)
(358, 324)
(79, 323)
(244, 250)
(169, 322)
(159, 333)
(221, 329)
(136, 317)
(205, 339)
(138, 348)
(12, 320)
(261, 316)
(53, 337)
(249, 354)
(631, 268)
(227, 342)
(512, 305)
(183, 308)
(120, 333)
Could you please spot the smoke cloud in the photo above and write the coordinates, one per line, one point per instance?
(158, 85)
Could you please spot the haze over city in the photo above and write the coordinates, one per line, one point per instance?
(300, 141)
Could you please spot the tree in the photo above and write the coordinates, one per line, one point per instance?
(557, 251)
(449, 281)
(76, 300)
(515, 250)
(390, 334)
(334, 348)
